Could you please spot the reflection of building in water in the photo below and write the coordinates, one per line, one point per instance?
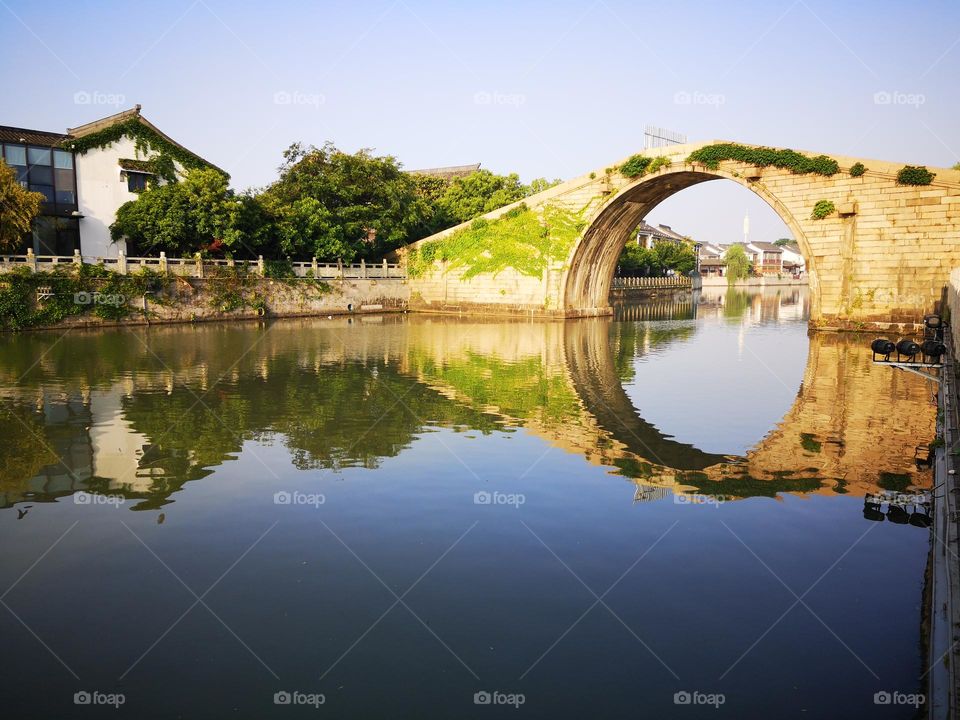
(117, 447)
(753, 307)
(649, 493)
(50, 433)
(142, 431)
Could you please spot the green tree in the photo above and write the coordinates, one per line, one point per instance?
(663, 256)
(738, 264)
(198, 213)
(675, 256)
(783, 241)
(540, 184)
(332, 204)
(956, 167)
(478, 193)
(18, 208)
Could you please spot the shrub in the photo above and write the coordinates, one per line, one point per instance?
(857, 169)
(711, 156)
(915, 175)
(822, 209)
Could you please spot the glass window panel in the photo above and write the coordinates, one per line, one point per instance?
(68, 236)
(45, 235)
(63, 159)
(38, 156)
(46, 190)
(63, 179)
(40, 175)
(16, 154)
(136, 182)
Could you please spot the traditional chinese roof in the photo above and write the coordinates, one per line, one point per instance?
(9, 134)
(767, 247)
(447, 173)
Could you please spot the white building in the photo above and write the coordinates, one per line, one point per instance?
(86, 174)
(793, 259)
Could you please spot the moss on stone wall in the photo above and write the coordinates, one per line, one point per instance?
(521, 239)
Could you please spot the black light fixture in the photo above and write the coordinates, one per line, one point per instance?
(933, 327)
(933, 350)
(882, 347)
(908, 348)
(897, 514)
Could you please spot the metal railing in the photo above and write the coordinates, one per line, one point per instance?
(674, 281)
(199, 267)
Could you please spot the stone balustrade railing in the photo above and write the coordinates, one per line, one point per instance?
(674, 281)
(199, 267)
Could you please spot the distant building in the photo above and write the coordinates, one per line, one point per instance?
(793, 261)
(769, 258)
(447, 173)
(648, 235)
(83, 190)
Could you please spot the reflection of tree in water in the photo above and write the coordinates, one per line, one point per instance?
(735, 303)
(523, 389)
(350, 416)
(25, 451)
(629, 341)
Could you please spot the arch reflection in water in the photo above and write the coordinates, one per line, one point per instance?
(143, 416)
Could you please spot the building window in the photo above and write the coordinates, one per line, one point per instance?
(64, 177)
(40, 172)
(45, 170)
(55, 236)
(136, 181)
(16, 157)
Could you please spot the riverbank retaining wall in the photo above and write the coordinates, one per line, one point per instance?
(196, 300)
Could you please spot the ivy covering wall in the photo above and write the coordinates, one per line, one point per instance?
(146, 140)
(521, 239)
(711, 156)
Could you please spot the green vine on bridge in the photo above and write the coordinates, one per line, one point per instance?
(822, 209)
(639, 165)
(520, 239)
(710, 156)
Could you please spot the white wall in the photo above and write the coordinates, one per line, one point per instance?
(101, 190)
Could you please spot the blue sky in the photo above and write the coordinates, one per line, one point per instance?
(549, 89)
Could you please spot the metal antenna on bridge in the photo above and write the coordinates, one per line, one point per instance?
(654, 137)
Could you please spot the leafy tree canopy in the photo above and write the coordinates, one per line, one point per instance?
(328, 203)
(182, 217)
(18, 208)
(738, 263)
(663, 256)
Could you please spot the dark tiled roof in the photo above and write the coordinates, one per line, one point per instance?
(448, 173)
(670, 232)
(767, 247)
(30, 137)
(648, 229)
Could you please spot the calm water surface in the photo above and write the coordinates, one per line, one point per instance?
(399, 513)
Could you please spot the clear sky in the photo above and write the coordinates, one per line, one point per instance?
(549, 89)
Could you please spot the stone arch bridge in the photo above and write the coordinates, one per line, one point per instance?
(882, 255)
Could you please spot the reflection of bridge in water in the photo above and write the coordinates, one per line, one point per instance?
(127, 423)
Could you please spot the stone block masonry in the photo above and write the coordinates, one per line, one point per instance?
(884, 254)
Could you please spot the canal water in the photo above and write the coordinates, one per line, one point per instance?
(659, 515)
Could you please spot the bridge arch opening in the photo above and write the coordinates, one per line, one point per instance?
(593, 260)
